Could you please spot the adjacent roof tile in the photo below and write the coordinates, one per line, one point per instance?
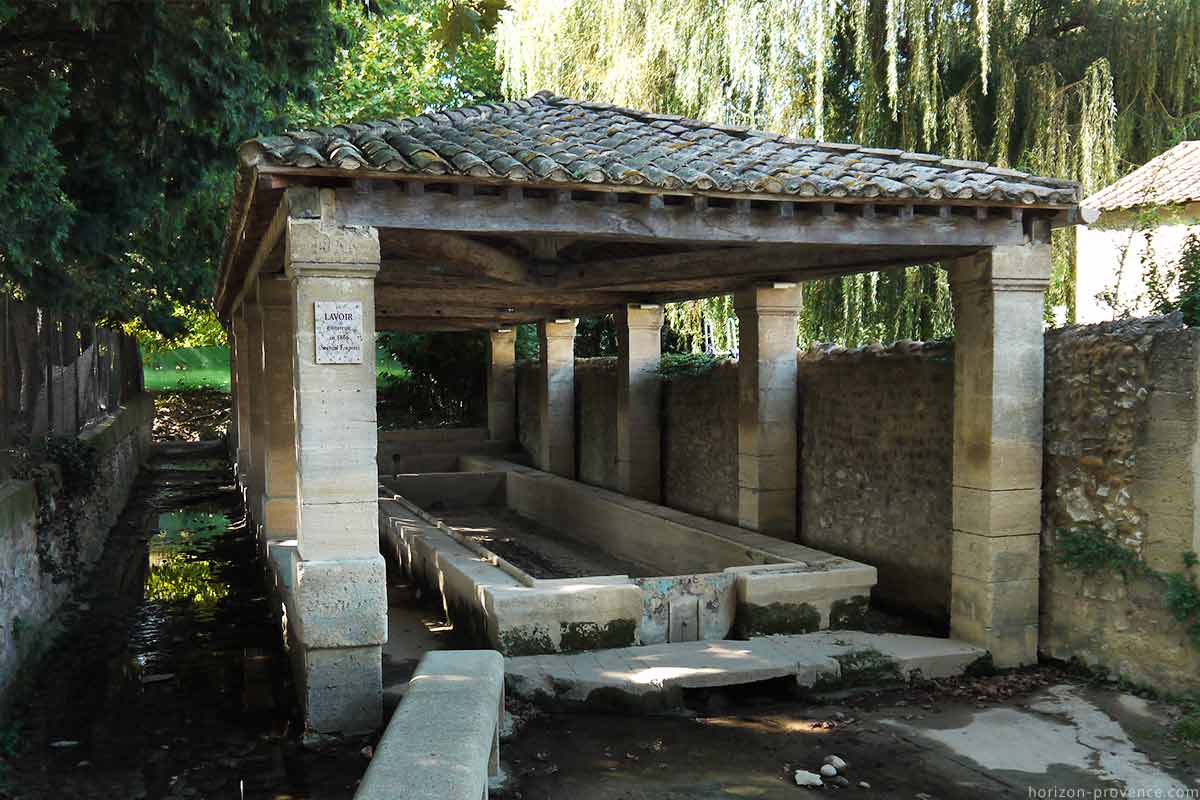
(1169, 179)
(552, 139)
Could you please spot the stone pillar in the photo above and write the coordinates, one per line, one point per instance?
(252, 313)
(279, 492)
(767, 401)
(639, 337)
(231, 438)
(998, 387)
(556, 411)
(502, 386)
(337, 615)
(241, 350)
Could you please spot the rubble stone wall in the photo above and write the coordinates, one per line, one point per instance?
(1121, 444)
(700, 443)
(529, 382)
(876, 448)
(596, 421)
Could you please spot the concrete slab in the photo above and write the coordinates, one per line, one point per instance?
(654, 674)
(1061, 735)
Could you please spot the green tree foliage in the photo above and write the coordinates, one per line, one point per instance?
(119, 122)
(1024, 83)
(422, 54)
(445, 385)
(1188, 268)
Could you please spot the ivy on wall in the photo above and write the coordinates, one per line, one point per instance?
(1093, 553)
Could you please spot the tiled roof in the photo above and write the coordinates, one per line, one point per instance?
(552, 140)
(1169, 179)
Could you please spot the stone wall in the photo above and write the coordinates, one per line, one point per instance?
(49, 542)
(876, 465)
(700, 443)
(1121, 457)
(529, 383)
(699, 433)
(596, 421)
(1122, 452)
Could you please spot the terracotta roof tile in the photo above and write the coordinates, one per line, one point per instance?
(549, 139)
(1169, 179)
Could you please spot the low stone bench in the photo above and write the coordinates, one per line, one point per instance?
(443, 742)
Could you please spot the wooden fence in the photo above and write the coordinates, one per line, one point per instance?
(59, 373)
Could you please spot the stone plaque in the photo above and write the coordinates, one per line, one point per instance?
(339, 329)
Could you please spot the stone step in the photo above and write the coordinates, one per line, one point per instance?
(653, 676)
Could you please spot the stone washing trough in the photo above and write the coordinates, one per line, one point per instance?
(527, 563)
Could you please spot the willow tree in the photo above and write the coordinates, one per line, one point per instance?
(1082, 89)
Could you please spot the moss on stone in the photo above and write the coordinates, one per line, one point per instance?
(777, 618)
(591, 636)
(850, 612)
(862, 668)
(525, 640)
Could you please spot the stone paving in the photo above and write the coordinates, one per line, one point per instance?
(653, 674)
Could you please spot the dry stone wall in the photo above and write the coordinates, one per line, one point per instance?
(876, 465)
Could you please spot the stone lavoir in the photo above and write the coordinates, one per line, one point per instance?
(547, 209)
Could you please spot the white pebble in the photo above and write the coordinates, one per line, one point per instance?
(828, 770)
(836, 762)
(806, 778)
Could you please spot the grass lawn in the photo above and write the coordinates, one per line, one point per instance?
(188, 368)
(208, 368)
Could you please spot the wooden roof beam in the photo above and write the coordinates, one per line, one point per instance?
(516, 213)
(456, 249)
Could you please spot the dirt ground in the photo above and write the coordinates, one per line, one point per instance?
(191, 415)
(747, 743)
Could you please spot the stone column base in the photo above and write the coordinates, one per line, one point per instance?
(336, 619)
(341, 689)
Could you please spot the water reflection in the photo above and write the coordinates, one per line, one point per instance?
(181, 569)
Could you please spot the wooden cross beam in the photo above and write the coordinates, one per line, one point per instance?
(512, 213)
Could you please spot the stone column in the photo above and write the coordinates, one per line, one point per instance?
(767, 401)
(252, 313)
(502, 386)
(338, 611)
(279, 492)
(556, 411)
(241, 350)
(639, 337)
(231, 438)
(998, 363)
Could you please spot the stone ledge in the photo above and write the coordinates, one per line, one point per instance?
(108, 433)
(443, 742)
(650, 677)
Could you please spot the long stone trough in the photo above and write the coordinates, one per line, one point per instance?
(686, 578)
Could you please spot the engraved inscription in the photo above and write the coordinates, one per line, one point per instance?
(339, 329)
